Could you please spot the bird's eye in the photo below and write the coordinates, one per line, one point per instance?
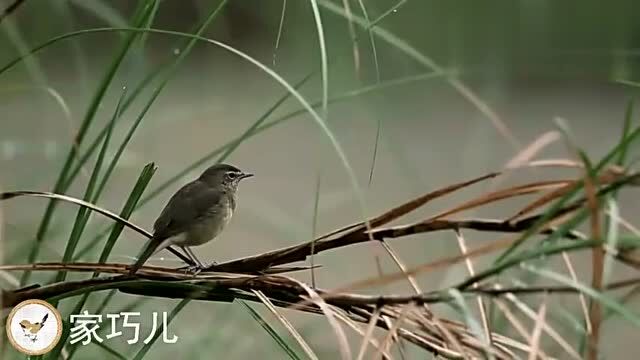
(232, 175)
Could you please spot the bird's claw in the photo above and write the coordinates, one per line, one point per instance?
(193, 269)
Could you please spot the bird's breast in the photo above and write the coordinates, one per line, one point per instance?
(210, 225)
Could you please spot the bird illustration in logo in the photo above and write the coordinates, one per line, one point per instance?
(30, 329)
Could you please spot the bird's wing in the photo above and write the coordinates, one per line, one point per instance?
(190, 203)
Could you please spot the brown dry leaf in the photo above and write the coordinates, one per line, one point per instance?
(519, 190)
(345, 350)
(537, 329)
(296, 335)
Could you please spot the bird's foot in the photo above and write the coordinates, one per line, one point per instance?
(193, 269)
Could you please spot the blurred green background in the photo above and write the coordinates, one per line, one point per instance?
(529, 61)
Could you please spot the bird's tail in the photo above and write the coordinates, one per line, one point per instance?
(149, 250)
(44, 319)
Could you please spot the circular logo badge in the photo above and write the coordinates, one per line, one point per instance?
(34, 327)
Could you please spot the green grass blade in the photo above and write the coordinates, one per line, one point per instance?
(626, 128)
(82, 216)
(323, 58)
(628, 83)
(271, 331)
(33, 66)
(105, 301)
(375, 150)
(314, 225)
(470, 320)
(109, 350)
(604, 299)
(102, 10)
(372, 40)
(251, 130)
(611, 226)
(538, 252)
(127, 210)
(142, 40)
(82, 159)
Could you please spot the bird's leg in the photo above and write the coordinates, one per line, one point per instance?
(193, 257)
(198, 264)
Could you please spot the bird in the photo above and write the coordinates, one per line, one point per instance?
(33, 328)
(195, 214)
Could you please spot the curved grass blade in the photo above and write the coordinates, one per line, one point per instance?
(280, 27)
(101, 10)
(375, 150)
(372, 40)
(323, 59)
(251, 130)
(33, 66)
(13, 194)
(314, 225)
(10, 9)
(626, 128)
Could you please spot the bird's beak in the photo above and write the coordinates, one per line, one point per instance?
(245, 175)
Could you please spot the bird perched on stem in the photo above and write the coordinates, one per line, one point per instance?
(196, 213)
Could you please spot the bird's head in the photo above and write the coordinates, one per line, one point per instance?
(25, 324)
(224, 175)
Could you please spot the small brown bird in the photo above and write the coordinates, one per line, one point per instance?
(35, 327)
(196, 214)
